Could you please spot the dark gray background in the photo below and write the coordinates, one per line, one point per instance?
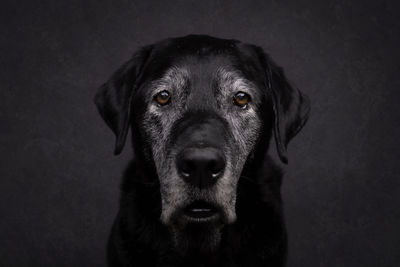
(59, 179)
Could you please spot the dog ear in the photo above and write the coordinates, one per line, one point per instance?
(113, 99)
(291, 107)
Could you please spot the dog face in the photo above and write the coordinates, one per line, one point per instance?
(201, 135)
(199, 108)
(202, 119)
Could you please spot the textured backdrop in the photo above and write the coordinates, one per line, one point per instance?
(59, 180)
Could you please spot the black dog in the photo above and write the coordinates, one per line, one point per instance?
(201, 190)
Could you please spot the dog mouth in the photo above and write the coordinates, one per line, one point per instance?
(201, 211)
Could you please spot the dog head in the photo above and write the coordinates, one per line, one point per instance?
(200, 108)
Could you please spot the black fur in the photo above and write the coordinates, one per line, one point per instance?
(258, 237)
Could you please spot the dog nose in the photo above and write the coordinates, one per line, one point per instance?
(201, 167)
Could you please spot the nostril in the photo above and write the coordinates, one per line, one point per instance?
(185, 174)
(216, 166)
(186, 167)
(216, 175)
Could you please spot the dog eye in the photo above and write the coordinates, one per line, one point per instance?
(241, 99)
(162, 97)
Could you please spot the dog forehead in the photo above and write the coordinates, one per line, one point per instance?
(204, 74)
(200, 74)
(202, 66)
(193, 50)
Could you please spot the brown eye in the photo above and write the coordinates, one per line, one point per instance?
(241, 99)
(162, 97)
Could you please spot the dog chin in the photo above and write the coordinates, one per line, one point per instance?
(196, 228)
(196, 239)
